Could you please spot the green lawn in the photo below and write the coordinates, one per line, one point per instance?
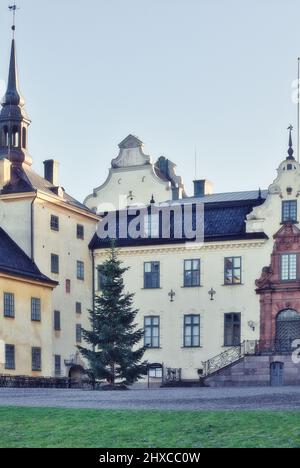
(37, 427)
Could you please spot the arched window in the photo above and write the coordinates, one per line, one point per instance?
(287, 315)
(5, 136)
(24, 138)
(287, 329)
(15, 137)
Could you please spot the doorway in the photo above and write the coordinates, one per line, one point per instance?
(277, 374)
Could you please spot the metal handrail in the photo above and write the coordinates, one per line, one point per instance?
(247, 348)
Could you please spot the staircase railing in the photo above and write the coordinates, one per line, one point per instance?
(224, 359)
(247, 348)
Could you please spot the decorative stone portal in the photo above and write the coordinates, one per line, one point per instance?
(280, 298)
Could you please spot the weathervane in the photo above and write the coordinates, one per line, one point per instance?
(13, 9)
(290, 150)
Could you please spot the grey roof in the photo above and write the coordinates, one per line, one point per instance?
(226, 197)
(223, 221)
(27, 180)
(15, 262)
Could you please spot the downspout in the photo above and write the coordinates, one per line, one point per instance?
(94, 289)
(93, 303)
(32, 226)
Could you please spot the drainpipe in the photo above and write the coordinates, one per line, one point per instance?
(32, 226)
(93, 302)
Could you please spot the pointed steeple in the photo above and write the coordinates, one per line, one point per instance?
(290, 150)
(13, 95)
(14, 121)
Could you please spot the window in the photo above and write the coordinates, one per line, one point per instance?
(57, 326)
(10, 357)
(24, 138)
(151, 225)
(80, 270)
(54, 223)
(289, 211)
(151, 275)
(57, 365)
(78, 333)
(232, 329)
(9, 305)
(233, 270)
(191, 273)
(289, 267)
(54, 263)
(68, 286)
(151, 326)
(35, 309)
(191, 331)
(36, 356)
(78, 308)
(101, 279)
(155, 372)
(80, 231)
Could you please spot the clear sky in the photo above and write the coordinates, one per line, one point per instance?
(215, 74)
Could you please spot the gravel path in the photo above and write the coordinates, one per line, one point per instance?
(265, 398)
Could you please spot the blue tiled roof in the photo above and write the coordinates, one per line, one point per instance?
(222, 221)
(14, 261)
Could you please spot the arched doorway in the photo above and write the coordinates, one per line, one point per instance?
(75, 376)
(287, 329)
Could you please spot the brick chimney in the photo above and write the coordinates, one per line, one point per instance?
(202, 187)
(51, 171)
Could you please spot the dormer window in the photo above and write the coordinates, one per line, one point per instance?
(289, 211)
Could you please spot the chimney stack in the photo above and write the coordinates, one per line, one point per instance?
(202, 187)
(51, 171)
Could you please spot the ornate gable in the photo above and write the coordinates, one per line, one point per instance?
(131, 154)
(287, 240)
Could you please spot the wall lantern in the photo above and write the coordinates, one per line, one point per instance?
(212, 294)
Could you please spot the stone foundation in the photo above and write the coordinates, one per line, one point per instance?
(254, 371)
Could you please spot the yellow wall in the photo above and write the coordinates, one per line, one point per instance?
(21, 331)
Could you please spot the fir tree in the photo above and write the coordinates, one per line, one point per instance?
(112, 353)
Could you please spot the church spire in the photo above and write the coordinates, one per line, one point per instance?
(13, 95)
(14, 121)
(290, 150)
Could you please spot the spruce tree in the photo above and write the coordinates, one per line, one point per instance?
(113, 353)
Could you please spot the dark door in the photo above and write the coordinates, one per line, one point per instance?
(287, 330)
(276, 370)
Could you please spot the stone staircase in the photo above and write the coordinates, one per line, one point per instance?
(250, 365)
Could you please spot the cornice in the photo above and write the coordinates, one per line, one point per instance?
(183, 248)
(23, 279)
(64, 205)
(50, 199)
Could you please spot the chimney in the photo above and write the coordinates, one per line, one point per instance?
(51, 171)
(202, 187)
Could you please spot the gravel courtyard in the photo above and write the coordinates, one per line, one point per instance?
(266, 398)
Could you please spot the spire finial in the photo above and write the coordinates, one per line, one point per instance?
(290, 150)
(13, 8)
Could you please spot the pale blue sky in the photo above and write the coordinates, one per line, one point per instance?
(177, 73)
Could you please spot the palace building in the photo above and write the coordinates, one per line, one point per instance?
(223, 311)
(53, 230)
